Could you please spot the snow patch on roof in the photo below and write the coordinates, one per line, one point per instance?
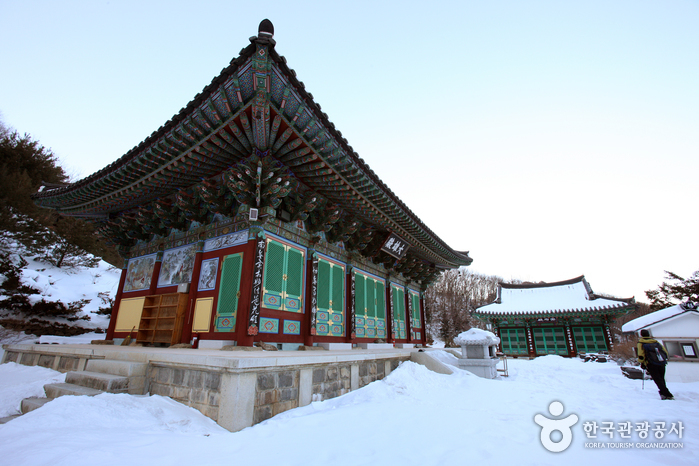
(653, 317)
(567, 297)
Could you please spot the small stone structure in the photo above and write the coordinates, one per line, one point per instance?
(478, 352)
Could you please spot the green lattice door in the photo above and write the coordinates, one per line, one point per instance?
(514, 341)
(283, 277)
(229, 293)
(399, 330)
(380, 321)
(415, 322)
(550, 340)
(330, 318)
(370, 307)
(589, 339)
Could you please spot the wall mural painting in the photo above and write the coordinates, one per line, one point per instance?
(177, 266)
(139, 273)
(221, 242)
(207, 277)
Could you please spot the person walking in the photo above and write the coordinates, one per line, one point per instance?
(653, 358)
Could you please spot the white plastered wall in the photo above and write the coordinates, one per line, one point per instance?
(681, 327)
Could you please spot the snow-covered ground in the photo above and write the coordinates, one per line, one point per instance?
(18, 382)
(412, 417)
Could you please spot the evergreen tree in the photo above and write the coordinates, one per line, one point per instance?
(25, 166)
(678, 290)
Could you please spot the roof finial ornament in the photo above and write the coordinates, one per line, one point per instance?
(266, 29)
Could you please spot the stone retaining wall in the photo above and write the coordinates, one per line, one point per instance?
(58, 362)
(199, 389)
(276, 392)
(234, 397)
(253, 396)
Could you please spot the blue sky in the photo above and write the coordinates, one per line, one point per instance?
(549, 138)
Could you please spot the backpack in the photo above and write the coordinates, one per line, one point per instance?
(655, 354)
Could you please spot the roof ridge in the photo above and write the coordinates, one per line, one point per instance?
(541, 284)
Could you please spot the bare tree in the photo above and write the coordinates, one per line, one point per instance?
(451, 299)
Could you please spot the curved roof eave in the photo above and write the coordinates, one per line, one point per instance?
(451, 257)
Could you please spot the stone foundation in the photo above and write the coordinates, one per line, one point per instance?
(270, 390)
(56, 361)
(235, 390)
(199, 389)
(275, 393)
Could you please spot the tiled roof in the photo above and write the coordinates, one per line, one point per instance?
(566, 297)
(187, 149)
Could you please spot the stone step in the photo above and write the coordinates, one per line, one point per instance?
(30, 404)
(114, 367)
(54, 390)
(99, 381)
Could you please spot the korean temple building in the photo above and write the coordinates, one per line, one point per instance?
(248, 217)
(564, 318)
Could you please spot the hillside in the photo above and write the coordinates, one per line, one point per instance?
(30, 287)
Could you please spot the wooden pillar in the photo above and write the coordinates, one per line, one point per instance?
(408, 306)
(117, 302)
(193, 290)
(156, 273)
(530, 339)
(243, 312)
(309, 327)
(423, 319)
(389, 313)
(572, 352)
(497, 333)
(350, 315)
(608, 333)
(249, 323)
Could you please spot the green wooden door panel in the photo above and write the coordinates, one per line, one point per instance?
(229, 292)
(371, 298)
(359, 294)
(416, 322)
(550, 340)
(338, 288)
(323, 285)
(294, 273)
(399, 327)
(514, 341)
(274, 275)
(589, 339)
(380, 301)
(283, 277)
